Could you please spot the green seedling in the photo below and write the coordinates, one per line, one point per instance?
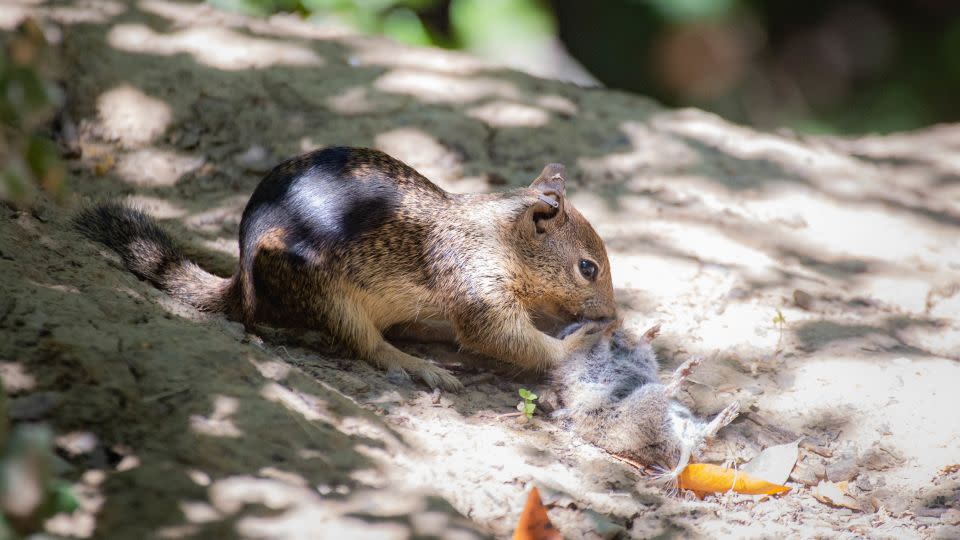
(779, 320)
(528, 406)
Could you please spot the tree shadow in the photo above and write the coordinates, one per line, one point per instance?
(235, 106)
(172, 425)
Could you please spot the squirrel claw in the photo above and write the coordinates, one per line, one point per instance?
(584, 337)
(436, 377)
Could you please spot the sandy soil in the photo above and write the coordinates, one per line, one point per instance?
(177, 424)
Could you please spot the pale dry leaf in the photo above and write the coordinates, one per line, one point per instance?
(775, 463)
(834, 495)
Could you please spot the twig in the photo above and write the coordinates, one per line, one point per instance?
(635, 464)
(508, 415)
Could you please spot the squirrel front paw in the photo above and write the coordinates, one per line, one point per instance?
(585, 337)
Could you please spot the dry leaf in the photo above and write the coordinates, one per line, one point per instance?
(775, 463)
(707, 478)
(534, 523)
(835, 495)
(950, 469)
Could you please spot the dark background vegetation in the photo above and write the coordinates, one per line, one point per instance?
(814, 66)
(843, 67)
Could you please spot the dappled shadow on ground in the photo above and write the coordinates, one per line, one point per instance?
(173, 431)
(712, 229)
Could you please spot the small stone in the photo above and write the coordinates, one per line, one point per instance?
(803, 475)
(809, 472)
(842, 468)
(863, 483)
(802, 299)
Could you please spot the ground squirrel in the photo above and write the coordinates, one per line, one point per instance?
(610, 394)
(352, 242)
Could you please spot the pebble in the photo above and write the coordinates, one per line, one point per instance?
(802, 299)
(808, 472)
(842, 468)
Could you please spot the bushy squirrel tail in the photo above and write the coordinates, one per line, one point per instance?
(149, 252)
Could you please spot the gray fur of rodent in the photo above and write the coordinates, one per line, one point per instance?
(612, 396)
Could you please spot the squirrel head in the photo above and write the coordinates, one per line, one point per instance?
(567, 261)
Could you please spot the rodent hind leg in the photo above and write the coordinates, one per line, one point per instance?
(389, 358)
(359, 332)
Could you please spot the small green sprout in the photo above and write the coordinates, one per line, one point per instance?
(780, 321)
(528, 406)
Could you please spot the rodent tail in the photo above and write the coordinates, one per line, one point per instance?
(149, 252)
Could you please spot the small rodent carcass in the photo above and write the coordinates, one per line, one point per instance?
(610, 395)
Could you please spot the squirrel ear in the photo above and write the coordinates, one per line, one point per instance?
(553, 178)
(547, 213)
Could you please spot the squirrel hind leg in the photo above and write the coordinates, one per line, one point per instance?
(390, 358)
(356, 329)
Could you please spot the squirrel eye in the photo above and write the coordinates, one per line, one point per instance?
(588, 269)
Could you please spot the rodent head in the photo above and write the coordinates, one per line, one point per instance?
(566, 257)
(669, 433)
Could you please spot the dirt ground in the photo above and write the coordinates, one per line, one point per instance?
(177, 424)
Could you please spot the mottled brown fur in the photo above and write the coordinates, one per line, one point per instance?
(353, 241)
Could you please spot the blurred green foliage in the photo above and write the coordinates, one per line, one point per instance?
(841, 66)
(28, 102)
(460, 24)
(30, 491)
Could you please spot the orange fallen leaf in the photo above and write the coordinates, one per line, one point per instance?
(534, 523)
(706, 478)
